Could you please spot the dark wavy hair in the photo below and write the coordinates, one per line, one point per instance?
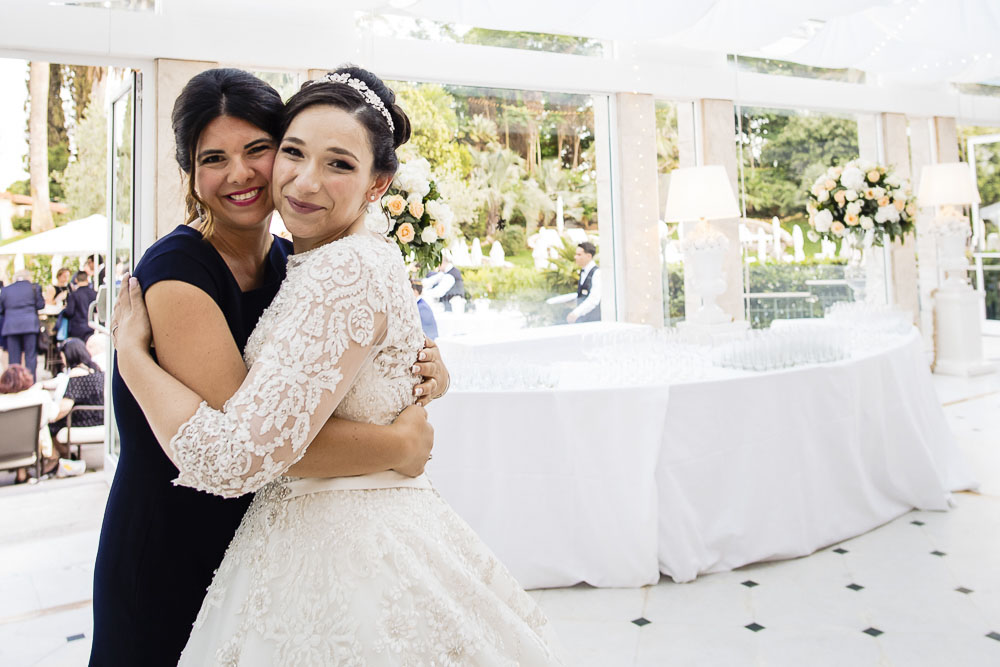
(76, 354)
(382, 141)
(210, 95)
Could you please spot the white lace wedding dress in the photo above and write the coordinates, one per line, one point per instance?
(370, 570)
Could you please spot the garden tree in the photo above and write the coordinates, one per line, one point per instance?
(85, 179)
(481, 131)
(783, 154)
(497, 175)
(58, 137)
(38, 162)
(987, 161)
(83, 81)
(667, 139)
(435, 126)
(534, 41)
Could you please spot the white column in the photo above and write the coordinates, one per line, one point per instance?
(638, 210)
(896, 150)
(921, 154)
(170, 77)
(717, 145)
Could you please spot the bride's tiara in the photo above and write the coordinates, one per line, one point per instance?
(357, 84)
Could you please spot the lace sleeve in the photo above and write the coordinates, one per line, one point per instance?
(323, 325)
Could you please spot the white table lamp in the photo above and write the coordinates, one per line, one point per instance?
(702, 194)
(958, 348)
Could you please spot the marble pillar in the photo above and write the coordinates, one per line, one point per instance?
(922, 139)
(642, 288)
(717, 145)
(896, 148)
(170, 77)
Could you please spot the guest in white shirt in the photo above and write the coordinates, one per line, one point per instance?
(588, 290)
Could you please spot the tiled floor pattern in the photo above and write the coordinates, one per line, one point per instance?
(921, 591)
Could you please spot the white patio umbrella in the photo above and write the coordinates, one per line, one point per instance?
(79, 238)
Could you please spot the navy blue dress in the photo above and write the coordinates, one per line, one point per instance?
(160, 544)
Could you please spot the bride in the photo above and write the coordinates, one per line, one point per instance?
(368, 570)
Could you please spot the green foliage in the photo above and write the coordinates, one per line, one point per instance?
(513, 239)
(432, 116)
(22, 187)
(673, 291)
(534, 41)
(987, 161)
(563, 275)
(667, 139)
(500, 283)
(784, 153)
(21, 223)
(85, 179)
(40, 267)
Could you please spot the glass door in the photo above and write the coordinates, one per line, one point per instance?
(984, 155)
(123, 156)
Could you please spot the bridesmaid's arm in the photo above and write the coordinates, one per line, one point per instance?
(193, 344)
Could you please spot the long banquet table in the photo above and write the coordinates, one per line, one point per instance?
(613, 486)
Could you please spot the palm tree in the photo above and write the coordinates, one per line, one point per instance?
(38, 146)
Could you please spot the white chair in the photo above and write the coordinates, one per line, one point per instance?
(19, 446)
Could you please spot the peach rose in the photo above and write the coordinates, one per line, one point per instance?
(440, 228)
(396, 205)
(911, 209)
(830, 184)
(899, 204)
(405, 233)
(840, 197)
(838, 228)
(851, 220)
(416, 209)
(873, 176)
(884, 201)
(870, 193)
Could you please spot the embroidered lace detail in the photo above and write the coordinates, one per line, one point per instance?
(384, 577)
(306, 356)
(355, 578)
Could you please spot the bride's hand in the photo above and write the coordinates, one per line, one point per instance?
(130, 327)
(416, 440)
(434, 374)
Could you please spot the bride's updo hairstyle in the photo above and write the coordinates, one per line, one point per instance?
(207, 96)
(387, 126)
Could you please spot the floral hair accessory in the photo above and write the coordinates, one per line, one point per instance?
(370, 96)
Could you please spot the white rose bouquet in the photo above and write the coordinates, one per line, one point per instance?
(859, 198)
(418, 220)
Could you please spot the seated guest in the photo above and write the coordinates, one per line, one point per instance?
(56, 293)
(17, 390)
(427, 321)
(84, 386)
(77, 305)
(588, 289)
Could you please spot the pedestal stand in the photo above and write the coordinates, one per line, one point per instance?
(958, 345)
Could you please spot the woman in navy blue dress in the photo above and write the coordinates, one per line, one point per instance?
(206, 284)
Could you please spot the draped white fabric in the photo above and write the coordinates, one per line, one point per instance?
(917, 41)
(611, 486)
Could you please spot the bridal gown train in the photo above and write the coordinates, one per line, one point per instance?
(369, 570)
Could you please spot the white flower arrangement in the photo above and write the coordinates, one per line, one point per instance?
(858, 199)
(418, 220)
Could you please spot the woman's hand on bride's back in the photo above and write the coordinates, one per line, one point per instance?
(416, 437)
(130, 327)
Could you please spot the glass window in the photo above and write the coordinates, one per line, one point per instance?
(781, 153)
(408, 27)
(674, 148)
(286, 83)
(518, 168)
(981, 146)
(786, 68)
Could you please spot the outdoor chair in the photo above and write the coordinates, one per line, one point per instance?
(19, 446)
(81, 435)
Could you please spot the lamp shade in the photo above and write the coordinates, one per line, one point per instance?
(948, 183)
(700, 193)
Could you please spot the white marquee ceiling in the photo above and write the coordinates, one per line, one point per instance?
(914, 41)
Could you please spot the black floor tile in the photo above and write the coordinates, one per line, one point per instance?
(855, 587)
(754, 627)
(963, 589)
(73, 638)
(874, 632)
(642, 621)
(750, 583)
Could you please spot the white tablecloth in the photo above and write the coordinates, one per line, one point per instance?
(611, 486)
(542, 345)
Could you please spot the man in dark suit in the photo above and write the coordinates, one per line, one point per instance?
(77, 305)
(588, 288)
(19, 306)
